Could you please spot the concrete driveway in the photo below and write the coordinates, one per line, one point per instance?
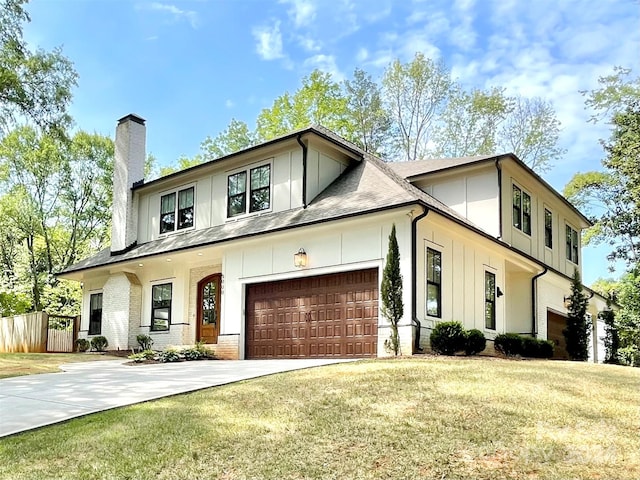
(82, 388)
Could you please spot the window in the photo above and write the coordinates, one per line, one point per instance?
(434, 295)
(184, 210)
(161, 307)
(489, 300)
(572, 245)
(548, 228)
(259, 191)
(521, 210)
(95, 314)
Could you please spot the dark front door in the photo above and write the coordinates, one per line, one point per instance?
(209, 309)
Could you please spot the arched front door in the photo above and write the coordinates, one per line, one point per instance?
(209, 309)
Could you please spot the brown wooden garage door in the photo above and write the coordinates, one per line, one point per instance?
(325, 316)
(555, 324)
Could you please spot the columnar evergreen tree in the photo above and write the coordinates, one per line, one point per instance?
(391, 289)
(577, 332)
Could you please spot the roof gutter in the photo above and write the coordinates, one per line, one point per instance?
(534, 302)
(414, 269)
(304, 170)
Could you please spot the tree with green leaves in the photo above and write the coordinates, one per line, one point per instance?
(415, 93)
(370, 121)
(391, 291)
(234, 138)
(576, 333)
(34, 86)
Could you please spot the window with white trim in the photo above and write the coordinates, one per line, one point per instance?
(259, 187)
(521, 210)
(548, 229)
(177, 215)
(572, 244)
(434, 283)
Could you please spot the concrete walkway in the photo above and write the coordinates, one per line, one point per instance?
(37, 400)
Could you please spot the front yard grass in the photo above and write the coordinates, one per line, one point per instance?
(16, 364)
(432, 418)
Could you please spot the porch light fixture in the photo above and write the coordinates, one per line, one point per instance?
(300, 258)
(499, 292)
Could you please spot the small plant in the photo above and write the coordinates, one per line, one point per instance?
(142, 356)
(82, 344)
(99, 343)
(169, 355)
(535, 348)
(545, 348)
(145, 341)
(508, 344)
(475, 342)
(448, 338)
(193, 354)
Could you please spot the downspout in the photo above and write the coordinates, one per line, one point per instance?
(414, 270)
(304, 170)
(534, 302)
(499, 168)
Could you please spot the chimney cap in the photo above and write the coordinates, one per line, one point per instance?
(133, 117)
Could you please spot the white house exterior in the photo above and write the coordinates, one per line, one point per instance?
(208, 253)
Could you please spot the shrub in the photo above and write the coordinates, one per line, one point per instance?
(508, 344)
(545, 348)
(475, 342)
(82, 344)
(142, 356)
(99, 343)
(193, 354)
(169, 355)
(145, 341)
(629, 355)
(535, 348)
(448, 338)
(202, 348)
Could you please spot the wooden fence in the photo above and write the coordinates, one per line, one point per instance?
(38, 333)
(24, 333)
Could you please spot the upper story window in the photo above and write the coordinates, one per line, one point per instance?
(161, 307)
(548, 229)
(521, 210)
(434, 282)
(259, 191)
(95, 314)
(182, 210)
(489, 300)
(572, 245)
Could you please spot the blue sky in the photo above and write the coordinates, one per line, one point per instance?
(188, 67)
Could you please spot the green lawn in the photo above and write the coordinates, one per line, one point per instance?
(439, 418)
(16, 364)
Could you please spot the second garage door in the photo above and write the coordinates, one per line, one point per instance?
(324, 316)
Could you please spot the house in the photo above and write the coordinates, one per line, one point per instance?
(278, 250)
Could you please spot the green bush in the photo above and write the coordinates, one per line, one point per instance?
(508, 344)
(145, 341)
(99, 343)
(82, 344)
(475, 342)
(193, 354)
(535, 348)
(545, 348)
(448, 338)
(142, 356)
(169, 355)
(629, 355)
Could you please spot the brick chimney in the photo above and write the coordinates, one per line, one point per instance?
(128, 169)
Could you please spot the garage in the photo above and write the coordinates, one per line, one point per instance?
(333, 315)
(555, 324)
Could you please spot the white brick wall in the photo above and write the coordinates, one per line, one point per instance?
(128, 168)
(120, 307)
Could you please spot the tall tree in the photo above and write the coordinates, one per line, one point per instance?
(469, 124)
(235, 137)
(34, 86)
(576, 333)
(371, 122)
(531, 131)
(415, 93)
(318, 101)
(391, 292)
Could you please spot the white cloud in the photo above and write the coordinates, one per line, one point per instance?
(309, 44)
(269, 40)
(325, 63)
(178, 14)
(362, 55)
(229, 103)
(302, 12)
